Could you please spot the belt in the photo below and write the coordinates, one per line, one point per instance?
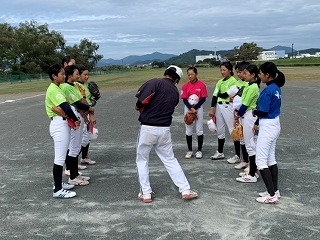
(223, 102)
(58, 116)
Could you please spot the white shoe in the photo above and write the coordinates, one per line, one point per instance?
(87, 161)
(241, 174)
(247, 179)
(81, 167)
(189, 155)
(198, 154)
(84, 178)
(146, 198)
(263, 194)
(188, 195)
(67, 173)
(247, 169)
(268, 199)
(62, 193)
(234, 159)
(65, 186)
(217, 156)
(241, 165)
(78, 182)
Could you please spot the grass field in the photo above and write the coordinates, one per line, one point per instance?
(134, 79)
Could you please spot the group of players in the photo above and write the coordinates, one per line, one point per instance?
(69, 107)
(233, 102)
(240, 102)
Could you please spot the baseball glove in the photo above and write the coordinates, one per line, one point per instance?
(237, 132)
(190, 117)
(94, 90)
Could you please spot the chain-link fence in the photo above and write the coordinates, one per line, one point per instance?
(20, 78)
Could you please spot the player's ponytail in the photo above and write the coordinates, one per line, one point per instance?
(271, 69)
(280, 79)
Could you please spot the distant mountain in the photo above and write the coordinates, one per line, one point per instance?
(136, 60)
(286, 49)
(185, 58)
(190, 57)
(310, 50)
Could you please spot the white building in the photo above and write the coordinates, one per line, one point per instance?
(268, 55)
(203, 57)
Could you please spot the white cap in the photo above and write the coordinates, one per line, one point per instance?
(177, 70)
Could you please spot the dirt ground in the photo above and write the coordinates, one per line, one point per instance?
(108, 208)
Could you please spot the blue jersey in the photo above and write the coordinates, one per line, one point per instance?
(270, 101)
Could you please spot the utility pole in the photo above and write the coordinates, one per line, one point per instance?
(292, 50)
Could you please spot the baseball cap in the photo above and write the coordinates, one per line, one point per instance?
(177, 70)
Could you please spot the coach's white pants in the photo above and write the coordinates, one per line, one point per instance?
(248, 121)
(269, 131)
(160, 139)
(224, 118)
(60, 132)
(198, 122)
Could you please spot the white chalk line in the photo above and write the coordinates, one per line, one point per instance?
(19, 99)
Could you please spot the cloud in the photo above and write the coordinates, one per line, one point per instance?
(126, 27)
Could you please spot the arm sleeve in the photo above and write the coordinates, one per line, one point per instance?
(67, 109)
(260, 114)
(214, 101)
(223, 95)
(82, 106)
(199, 104)
(185, 101)
(242, 110)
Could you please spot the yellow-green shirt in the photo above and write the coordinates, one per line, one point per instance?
(241, 83)
(71, 92)
(88, 94)
(54, 97)
(222, 86)
(250, 96)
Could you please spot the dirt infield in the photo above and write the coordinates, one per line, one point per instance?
(108, 208)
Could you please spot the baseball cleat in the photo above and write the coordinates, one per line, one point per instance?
(217, 156)
(189, 195)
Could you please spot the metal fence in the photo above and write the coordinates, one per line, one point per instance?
(22, 78)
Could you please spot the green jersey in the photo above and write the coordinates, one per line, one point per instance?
(241, 84)
(250, 96)
(71, 92)
(88, 94)
(54, 97)
(222, 86)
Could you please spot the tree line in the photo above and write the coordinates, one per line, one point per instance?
(32, 48)
(245, 52)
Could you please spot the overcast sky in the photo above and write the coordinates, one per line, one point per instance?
(126, 27)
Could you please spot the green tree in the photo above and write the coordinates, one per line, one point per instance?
(7, 47)
(157, 64)
(32, 48)
(85, 53)
(37, 45)
(246, 52)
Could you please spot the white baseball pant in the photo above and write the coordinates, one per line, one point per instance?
(76, 138)
(85, 136)
(198, 122)
(160, 139)
(248, 121)
(224, 118)
(60, 132)
(269, 131)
